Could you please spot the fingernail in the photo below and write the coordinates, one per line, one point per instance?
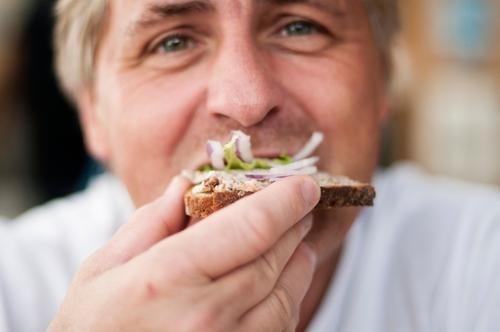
(307, 224)
(310, 192)
(313, 257)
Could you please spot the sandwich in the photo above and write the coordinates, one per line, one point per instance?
(234, 173)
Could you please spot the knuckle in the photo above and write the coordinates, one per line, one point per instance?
(264, 275)
(295, 322)
(296, 203)
(260, 234)
(139, 214)
(292, 327)
(207, 318)
(269, 266)
(91, 266)
(250, 283)
(144, 212)
(284, 304)
(165, 269)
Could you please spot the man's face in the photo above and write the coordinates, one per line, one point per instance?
(173, 73)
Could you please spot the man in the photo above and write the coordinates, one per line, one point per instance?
(153, 80)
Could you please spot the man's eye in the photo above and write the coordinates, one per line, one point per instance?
(299, 28)
(174, 44)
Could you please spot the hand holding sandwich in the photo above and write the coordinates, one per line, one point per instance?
(244, 268)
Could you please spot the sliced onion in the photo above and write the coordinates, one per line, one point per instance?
(257, 176)
(215, 152)
(296, 165)
(315, 140)
(243, 146)
(277, 175)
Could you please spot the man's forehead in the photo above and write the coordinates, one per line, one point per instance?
(178, 7)
(340, 4)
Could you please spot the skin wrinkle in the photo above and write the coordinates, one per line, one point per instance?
(159, 75)
(80, 26)
(156, 13)
(150, 118)
(158, 117)
(335, 7)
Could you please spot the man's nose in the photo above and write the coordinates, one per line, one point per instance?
(241, 86)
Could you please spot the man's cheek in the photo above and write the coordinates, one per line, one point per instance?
(152, 118)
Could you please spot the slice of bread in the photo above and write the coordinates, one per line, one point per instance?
(220, 189)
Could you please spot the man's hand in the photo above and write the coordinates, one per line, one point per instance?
(244, 268)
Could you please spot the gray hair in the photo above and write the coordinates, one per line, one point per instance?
(79, 24)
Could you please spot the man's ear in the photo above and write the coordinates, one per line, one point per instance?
(93, 126)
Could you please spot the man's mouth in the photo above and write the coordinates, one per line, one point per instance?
(266, 154)
(238, 154)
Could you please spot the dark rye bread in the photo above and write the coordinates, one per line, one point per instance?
(335, 192)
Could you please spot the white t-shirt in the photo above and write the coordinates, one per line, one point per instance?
(425, 258)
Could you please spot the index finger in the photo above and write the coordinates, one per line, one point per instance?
(245, 230)
(148, 226)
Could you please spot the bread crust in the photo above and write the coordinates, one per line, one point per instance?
(201, 205)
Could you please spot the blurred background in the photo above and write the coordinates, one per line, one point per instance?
(445, 100)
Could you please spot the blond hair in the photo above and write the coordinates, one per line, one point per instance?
(79, 25)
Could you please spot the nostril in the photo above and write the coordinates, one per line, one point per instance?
(245, 116)
(252, 116)
(221, 116)
(273, 112)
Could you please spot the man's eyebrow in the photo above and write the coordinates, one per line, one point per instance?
(166, 10)
(330, 5)
(157, 12)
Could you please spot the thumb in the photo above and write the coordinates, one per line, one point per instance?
(149, 224)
